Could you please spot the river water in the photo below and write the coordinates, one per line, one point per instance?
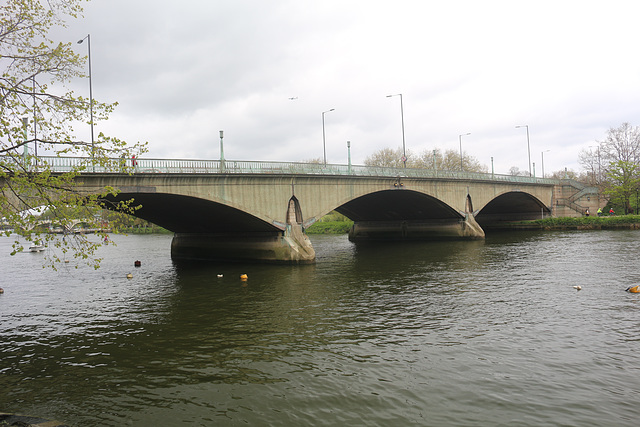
(482, 333)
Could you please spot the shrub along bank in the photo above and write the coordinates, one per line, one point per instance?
(564, 223)
(580, 223)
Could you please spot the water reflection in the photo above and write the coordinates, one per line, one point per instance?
(438, 333)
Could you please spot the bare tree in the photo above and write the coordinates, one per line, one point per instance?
(389, 158)
(515, 171)
(429, 159)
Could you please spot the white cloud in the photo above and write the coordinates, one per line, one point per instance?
(183, 71)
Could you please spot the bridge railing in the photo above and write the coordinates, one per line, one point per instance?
(173, 166)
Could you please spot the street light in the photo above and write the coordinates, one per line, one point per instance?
(324, 142)
(349, 154)
(597, 147)
(404, 149)
(221, 151)
(88, 38)
(25, 123)
(460, 137)
(528, 146)
(545, 151)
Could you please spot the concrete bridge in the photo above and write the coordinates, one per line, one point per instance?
(240, 210)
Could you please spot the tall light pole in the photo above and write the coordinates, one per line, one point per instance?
(404, 148)
(324, 142)
(349, 154)
(460, 138)
(88, 39)
(221, 150)
(25, 123)
(35, 128)
(528, 145)
(545, 151)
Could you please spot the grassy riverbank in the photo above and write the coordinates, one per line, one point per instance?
(581, 223)
(330, 227)
(565, 223)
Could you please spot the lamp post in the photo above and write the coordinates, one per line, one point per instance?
(25, 152)
(435, 165)
(596, 178)
(491, 167)
(35, 128)
(88, 39)
(545, 151)
(404, 148)
(221, 151)
(349, 154)
(324, 142)
(528, 145)
(460, 138)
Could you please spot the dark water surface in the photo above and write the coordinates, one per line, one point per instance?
(432, 334)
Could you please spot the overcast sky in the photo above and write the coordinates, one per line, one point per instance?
(182, 71)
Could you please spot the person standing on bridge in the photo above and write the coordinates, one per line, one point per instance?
(134, 162)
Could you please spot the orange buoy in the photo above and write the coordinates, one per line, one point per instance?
(243, 277)
(634, 289)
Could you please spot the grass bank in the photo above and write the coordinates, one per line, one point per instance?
(582, 223)
(330, 227)
(565, 223)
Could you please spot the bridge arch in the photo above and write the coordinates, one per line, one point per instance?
(511, 206)
(402, 214)
(186, 214)
(397, 205)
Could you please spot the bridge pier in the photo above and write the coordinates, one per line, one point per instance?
(289, 247)
(446, 229)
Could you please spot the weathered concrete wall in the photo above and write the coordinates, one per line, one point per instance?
(267, 196)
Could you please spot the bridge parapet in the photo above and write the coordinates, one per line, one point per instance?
(192, 166)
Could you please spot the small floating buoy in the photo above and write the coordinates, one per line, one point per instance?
(129, 276)
(220, 276)
(137, 263)
(1, 291)
(634, 289)
(243, 277)
(577, 287)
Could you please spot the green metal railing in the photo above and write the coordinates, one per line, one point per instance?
(187, 166)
